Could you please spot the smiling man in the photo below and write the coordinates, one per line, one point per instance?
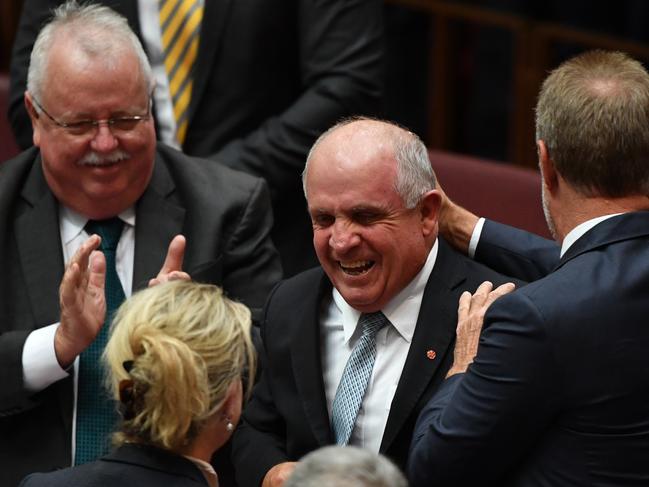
(353, 349)
(96, 168)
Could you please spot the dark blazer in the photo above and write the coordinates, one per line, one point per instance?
(223, 213)
(128, 466)
(287, 414)
(270, 77)
(558, 392)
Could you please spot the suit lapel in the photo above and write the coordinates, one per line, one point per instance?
(435, 331)
(158, 219)
(307, 366)
(215, 15)
(41, 260)
(42, 263)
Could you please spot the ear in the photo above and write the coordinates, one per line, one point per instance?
(429, 212)
(233, 402)
(548, 171)
(35, 118)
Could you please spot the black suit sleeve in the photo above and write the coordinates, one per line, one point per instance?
(340, 47)
(259, 442)
(250, 265)
(515, 252)
(481, 423)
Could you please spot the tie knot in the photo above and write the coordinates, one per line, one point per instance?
(109, 230)
(371, 323)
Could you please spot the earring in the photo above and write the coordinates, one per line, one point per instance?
(228, 425)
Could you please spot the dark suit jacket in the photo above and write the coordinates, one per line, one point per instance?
(270, 77)
(287, 414)
(223, 213)
(128, 466)
(558, 392)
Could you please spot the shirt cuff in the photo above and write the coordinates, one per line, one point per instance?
(475, 237)
(40, 366)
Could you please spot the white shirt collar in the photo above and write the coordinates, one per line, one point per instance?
(402, 310)
(72, 223)
(577, 232)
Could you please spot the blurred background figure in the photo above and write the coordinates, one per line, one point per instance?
(177, 357)
(345, 466)
(249, 85)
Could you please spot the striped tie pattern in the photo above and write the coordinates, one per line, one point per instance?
(180, 23)
(356, 376)
(96, 411)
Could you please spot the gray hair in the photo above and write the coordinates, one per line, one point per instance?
(415, 175)
(593, 115)
(349, 466)
(97, 30)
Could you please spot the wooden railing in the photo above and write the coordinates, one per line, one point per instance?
(534, 44)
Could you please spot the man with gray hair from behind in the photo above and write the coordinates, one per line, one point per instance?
(345, 466)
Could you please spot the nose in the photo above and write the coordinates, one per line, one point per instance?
(343, 237)
(104, 140)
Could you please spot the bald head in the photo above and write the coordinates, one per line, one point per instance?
(414, 175)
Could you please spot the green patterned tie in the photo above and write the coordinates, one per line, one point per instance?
(96, 412)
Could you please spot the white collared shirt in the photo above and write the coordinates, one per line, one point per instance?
(339, 334)
(40, 366)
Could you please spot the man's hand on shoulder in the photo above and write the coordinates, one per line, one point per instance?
(82, 302)
(456, 224)
(470, 318)
(277, 475)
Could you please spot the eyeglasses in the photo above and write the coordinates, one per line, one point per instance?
(86, 127)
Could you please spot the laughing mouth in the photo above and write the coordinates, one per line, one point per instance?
(357, 267)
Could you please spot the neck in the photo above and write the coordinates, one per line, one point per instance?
(579, 209)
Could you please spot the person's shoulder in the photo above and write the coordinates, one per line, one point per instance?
(474, 272)
(204, 170)
(305, 282)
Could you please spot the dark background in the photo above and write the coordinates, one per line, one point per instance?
(464, 74)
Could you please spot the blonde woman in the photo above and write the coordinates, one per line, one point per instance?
(176, 359)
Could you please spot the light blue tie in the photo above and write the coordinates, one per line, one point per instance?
(352, 386)
(96, 412)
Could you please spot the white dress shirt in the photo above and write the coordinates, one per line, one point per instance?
(40, 366)
(339, 334)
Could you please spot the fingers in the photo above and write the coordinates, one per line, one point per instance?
(463, 306)
(172, 276)
(499, 292)
(97, 273)
(175, 255)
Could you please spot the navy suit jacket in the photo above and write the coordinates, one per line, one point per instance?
(558, 392)
(130, 465)
(226, 218)
(271, 75)
(287, 416)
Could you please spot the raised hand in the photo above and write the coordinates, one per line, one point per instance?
(470, 318)
(82, 302)
(172, 269)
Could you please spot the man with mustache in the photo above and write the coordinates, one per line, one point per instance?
(353, 349)
(96, 168)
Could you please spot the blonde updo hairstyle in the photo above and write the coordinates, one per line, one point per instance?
(174, 351)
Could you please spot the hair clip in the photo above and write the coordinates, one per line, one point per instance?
(127, 399)
(128, 365)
